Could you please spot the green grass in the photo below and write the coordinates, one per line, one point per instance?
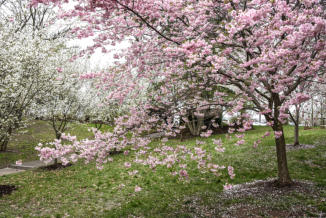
(24, 141)
(83, 191)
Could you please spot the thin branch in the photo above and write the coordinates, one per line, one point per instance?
(147, 23)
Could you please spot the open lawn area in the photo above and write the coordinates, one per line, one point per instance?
(83, 191)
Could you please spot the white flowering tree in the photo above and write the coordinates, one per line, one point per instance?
(60, 105)
(28, 61)
(27, 67)
(313, 111)
(31, 20)
(99, 110)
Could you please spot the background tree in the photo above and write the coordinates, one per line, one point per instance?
(102, 96)
(27, 69)
(313, 110)
(297, 108)
(28, 61)
(32, 19)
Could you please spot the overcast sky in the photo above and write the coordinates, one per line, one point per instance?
(98, 59)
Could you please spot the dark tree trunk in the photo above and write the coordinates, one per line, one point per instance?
(195, 123)
(322, 112)
(296, 135)
(5, 141)
(296, 126)
(58, 135)
(284, 178)
(98, 125)
(4, 144)
(312, 113)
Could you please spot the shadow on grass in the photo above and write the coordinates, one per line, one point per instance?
(56, 166)
(7, 189)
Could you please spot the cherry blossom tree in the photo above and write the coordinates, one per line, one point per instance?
(262, 49)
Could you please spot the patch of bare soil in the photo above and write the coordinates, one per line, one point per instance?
(6, 189)
(291, 147)
(56, 166)
(9, 151)
(115, 152)
(185, 134)
(263, 198)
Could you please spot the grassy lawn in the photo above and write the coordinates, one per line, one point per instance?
(23, 142)
(83, 191)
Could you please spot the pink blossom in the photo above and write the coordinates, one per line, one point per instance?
(278, 134)
(219, 149)
(206, 134)
(231, 130)
(183, 173)
(231, 172)
(132, 173)
(240, 142)
(240, 136)
(127, 164)
(266, 134)
(99, 167)
(227, 186)
(256, 143)
(137, 188)
(198, 142)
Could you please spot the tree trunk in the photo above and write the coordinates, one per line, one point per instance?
(282, 164)
(322, 112)
(5, 141)
(312, 112)
(283, 172)
(4, 144)
(296, 126)
(58, 136)
(296, 135)
(195, 124)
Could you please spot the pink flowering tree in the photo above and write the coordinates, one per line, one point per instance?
(261, 49)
